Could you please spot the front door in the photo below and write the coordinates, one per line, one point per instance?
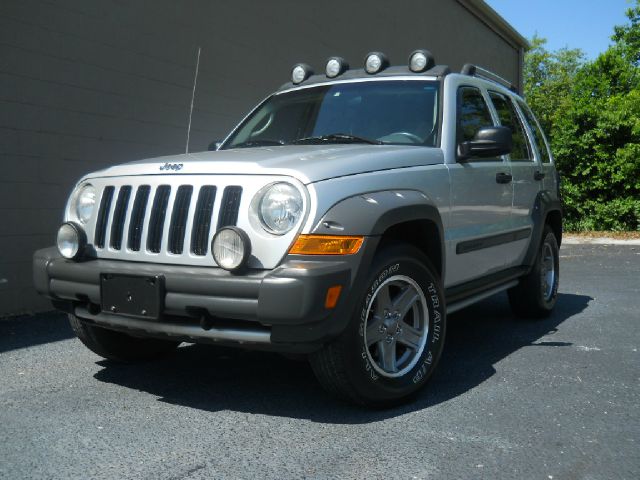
(481, 197)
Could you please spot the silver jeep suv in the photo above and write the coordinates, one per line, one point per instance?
(342, 219)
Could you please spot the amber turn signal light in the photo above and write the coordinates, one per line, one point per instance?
(333, 294)
(326, 245)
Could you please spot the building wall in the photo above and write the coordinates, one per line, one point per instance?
(86, 83)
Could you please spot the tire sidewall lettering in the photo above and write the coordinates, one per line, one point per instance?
(422, 370)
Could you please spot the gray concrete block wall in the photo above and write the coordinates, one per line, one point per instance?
(87, 83)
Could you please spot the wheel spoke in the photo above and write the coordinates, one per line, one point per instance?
(383, 301)
(388, 356)
(374, 330)
(403, 302)
(410, 336)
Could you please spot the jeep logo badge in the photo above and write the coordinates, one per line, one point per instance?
(171, 166)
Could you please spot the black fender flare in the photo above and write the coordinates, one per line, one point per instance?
(371, 214)
(544, 204)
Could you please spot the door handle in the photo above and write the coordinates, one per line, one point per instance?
(538, 175)
(502, 177)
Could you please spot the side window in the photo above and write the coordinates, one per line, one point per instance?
(508, 117)
(538, 136)
(473, 113)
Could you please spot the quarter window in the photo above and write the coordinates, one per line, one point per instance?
(508, 117)
(473, 113)
(538, 136)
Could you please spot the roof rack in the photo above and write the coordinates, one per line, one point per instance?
(475, 71)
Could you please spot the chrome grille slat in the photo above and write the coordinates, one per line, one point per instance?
(202, 218)
(230, 206)
(147, 218)
(110, 214)
(179, 216)
(103, 212)
(136, 222)
(164, 246)
(119, 215)
(157, 219)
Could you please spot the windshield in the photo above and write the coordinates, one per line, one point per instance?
(394, 112)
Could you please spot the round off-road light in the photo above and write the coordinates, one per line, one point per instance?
(375, 62)
(336, 66)
(71, 240)
(420, 60)
(231, 248)
(300, 73)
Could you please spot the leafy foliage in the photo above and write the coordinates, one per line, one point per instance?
(591, 113)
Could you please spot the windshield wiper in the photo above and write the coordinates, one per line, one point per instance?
(258, 143)
(337, 138)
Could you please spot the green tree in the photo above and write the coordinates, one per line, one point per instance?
(592, 116)
(549, 79)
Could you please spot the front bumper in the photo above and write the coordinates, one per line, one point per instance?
(280, 309)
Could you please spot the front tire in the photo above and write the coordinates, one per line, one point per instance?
(395, 336)
(537, 293)
(118, 346)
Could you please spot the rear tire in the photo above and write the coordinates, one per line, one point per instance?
(537, 293)
(119, 346)
(395, 336)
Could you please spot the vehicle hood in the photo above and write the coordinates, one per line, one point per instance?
(307, 163)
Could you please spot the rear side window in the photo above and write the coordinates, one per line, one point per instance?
(538, 136)
(508, 117)
(473, 113)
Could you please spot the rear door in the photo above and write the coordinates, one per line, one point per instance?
(480, 205)
(547, 174)
(526, 186)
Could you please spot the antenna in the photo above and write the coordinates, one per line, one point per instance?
(193, 96)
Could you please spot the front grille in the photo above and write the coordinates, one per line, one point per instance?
(142, 217)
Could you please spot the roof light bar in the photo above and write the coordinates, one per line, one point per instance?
(300, 72)
(336, 66)
(421, 60)
(375, 62)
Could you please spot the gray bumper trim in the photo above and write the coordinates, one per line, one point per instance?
(182, 332)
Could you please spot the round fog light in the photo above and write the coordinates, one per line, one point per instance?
(71, 240)
(231, 248)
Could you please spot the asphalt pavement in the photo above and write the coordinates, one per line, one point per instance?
(551, 399)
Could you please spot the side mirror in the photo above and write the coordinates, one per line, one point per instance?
(488, 142)
(215, 145)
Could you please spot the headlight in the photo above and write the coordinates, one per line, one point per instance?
(280, 208)
(71, 240)
(85, 202)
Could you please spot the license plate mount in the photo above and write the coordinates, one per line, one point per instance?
(132, 295)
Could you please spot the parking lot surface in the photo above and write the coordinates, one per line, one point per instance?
(551, 399)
